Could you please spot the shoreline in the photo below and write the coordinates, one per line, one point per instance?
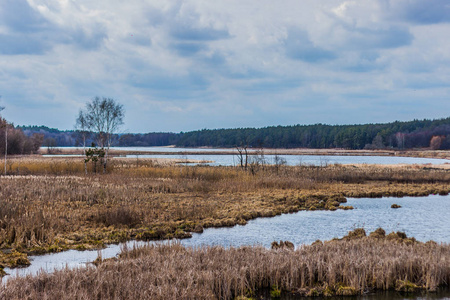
(420, 153)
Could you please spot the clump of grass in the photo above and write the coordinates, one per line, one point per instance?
(406, 286)
(395, 206)
(379, 233)
(275, 292)
(14, 259)
(282, 245)
(356, 234)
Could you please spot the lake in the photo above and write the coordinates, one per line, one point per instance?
(294, 160)
(210, 154)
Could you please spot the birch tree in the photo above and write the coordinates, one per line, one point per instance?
(103, 116)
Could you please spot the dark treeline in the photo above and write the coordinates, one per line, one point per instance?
(52, 137)
(148, 139)
(57, 138)
(400, 135)
(17, 141)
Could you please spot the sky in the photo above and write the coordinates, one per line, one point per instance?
(189, 65)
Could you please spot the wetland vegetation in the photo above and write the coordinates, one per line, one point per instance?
(51, 205)
(356, 264)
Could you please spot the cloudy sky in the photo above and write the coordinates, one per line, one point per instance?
(186, 65)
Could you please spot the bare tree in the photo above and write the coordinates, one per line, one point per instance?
(104, 116)
(242, 156)
(82, 127)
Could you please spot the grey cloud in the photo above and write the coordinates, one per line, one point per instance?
(153, 16)
(419, 11)
(245, 74)
(170, 85)
(24, 26)
(299, 46)
(38, 43)
(189, 33)
(364, 38)
(425, 83)
(392, 37)
(363, 62)
(18, 16)
(355, 34)
(22, 44)
(30, 33)
(140, 40)
(272, 85)
(215, 59)
(188, 49)
(87, 41)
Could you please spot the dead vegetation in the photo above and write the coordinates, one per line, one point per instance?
(353, 265)
(50, 205)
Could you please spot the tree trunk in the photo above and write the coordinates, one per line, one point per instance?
(105, 161)
(6, 145)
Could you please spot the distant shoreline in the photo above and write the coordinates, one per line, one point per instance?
(422, 153)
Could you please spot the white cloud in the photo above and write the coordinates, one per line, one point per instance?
(222, 64)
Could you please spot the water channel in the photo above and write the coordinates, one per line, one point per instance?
(425, 218)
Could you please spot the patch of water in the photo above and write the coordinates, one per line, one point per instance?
(425, 218)
(232, 160)
(156, 149)
(443, 293)
(294, 160)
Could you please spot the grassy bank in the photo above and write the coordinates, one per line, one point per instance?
(354, 265)
(50, 205)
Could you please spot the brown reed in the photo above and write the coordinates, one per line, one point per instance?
(53, 206)
(350, 266)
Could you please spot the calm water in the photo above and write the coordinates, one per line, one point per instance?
(383, 295)
(159, 149)
(425, 218)
(293, 160)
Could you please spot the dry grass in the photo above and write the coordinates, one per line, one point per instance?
(50, 205)
(349, 266)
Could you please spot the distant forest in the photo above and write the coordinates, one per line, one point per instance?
(399, 135)
(18, 142)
